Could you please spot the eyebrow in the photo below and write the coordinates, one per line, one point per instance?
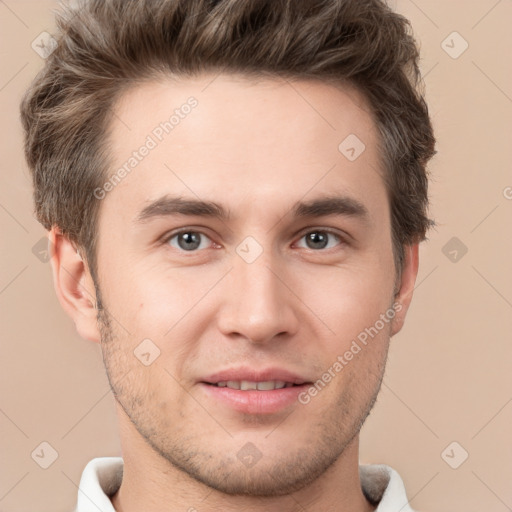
(167, 205)
(329, 205)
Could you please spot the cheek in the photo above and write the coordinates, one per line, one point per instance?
(348, 299)
(171, 308)
(148, 297)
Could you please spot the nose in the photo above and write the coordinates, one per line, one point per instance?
(259, 305)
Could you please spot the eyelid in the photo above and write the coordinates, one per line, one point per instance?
(189, 229)
(343, 237)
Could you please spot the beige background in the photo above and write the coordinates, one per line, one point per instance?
(449, 373)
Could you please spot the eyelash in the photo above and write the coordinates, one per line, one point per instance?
(172, 235)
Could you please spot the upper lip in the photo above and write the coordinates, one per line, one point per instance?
(253, 375)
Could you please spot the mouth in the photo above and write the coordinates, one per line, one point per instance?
(254, 392)
(247, 385)
(246, 378)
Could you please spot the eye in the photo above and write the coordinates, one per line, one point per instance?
(321, 240)
(188, 241)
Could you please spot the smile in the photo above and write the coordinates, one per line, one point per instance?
(247, 385)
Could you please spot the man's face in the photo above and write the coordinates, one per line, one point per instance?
(269, 292)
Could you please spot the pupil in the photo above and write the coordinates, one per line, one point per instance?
(316, 240)
(189, 241)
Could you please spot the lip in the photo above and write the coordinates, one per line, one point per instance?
(253, 401)
(250, 374)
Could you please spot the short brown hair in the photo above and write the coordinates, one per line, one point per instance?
(105, 46)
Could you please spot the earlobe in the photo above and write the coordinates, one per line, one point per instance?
(404, 294)
(74, 285)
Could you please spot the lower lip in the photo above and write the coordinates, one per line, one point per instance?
(253, 401)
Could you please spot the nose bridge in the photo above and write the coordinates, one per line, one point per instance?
(257, 305)
(257, 283)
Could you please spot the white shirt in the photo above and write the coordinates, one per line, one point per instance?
(102, 478)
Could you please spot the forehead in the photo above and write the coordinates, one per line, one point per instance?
(230, 137)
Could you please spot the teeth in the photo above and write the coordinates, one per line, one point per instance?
(266, 386)
(246, 385)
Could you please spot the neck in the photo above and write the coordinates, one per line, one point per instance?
(152, 484)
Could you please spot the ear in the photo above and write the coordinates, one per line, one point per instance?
(74, 285)
(403, 296)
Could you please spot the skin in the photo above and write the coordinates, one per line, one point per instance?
(255, 148)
